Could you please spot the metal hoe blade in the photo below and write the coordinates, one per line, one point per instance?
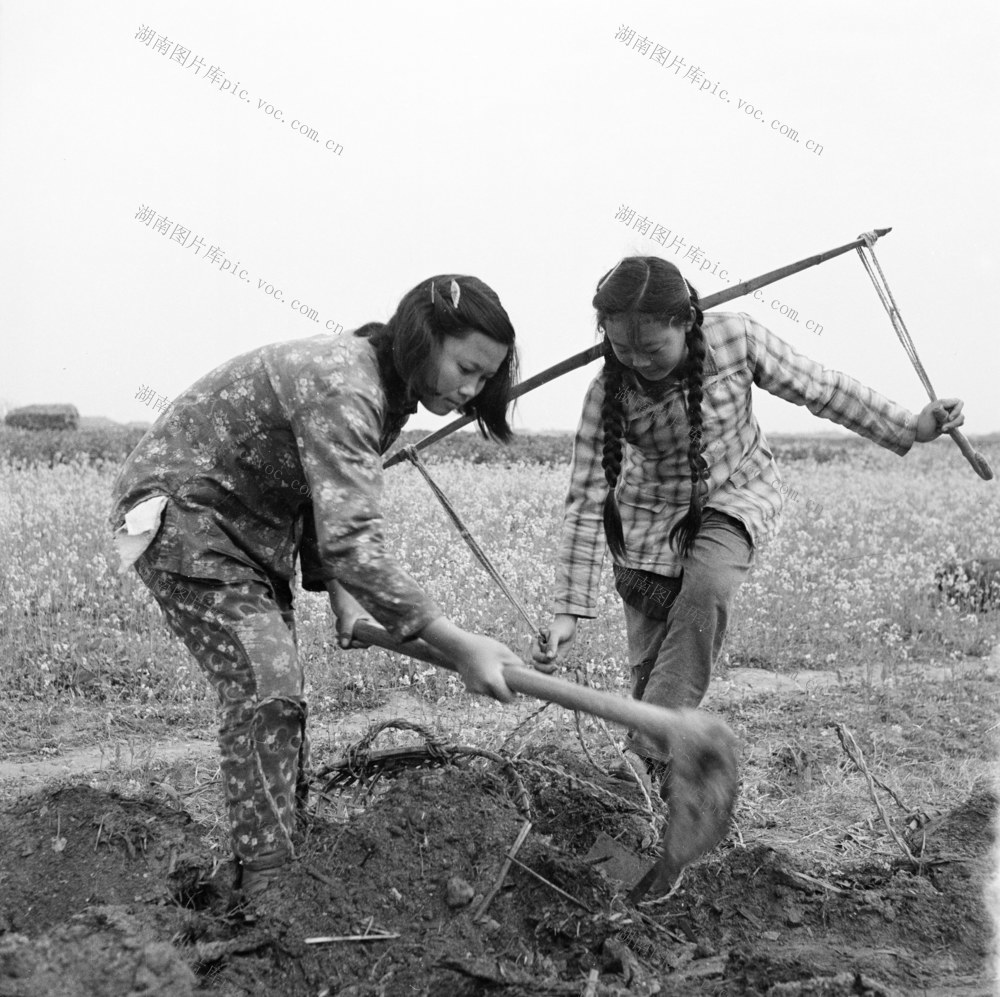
(701, 790)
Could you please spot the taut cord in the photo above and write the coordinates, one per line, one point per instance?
(976, 459)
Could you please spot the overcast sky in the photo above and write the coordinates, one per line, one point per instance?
(500, 140)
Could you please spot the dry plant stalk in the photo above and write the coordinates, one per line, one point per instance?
(815, 881)
(583, 744)
(635, 775)
(325, 939)
(321, 877)
(504, 869)
(551, 886)
(854, 753)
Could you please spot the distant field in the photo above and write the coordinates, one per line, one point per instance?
(849, 581)
(101, 445)
(111, 443)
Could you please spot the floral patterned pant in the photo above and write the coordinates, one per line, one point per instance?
(243, 638)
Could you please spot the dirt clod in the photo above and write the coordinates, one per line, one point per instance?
(135, 901)
(99, 953)
(459, 892)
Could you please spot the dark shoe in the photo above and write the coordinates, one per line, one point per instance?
(257, 882)
(240, 910)
(658, 772)
(254, 882)
(632, 767)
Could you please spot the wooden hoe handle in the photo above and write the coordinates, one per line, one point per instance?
(653, 720)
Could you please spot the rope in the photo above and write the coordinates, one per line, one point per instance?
(410, 453)
(889, 303)
(976, 459)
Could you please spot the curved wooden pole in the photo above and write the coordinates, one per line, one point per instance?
(590, 354)
(979, 463)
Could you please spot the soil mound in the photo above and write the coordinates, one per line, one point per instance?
(407, 888)
(99, 953)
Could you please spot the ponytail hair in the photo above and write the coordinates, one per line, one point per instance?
(647, 287)
(445, 305)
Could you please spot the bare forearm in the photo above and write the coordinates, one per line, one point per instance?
(446, 637)
(480, 660)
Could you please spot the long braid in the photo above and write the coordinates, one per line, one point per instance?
(613, 422)
(684, 532)
(640, 289)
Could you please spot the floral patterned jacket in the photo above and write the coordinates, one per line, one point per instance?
(276, 454)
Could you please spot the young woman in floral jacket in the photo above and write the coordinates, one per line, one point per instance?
(277, 455)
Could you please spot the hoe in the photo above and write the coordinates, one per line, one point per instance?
(701, 785)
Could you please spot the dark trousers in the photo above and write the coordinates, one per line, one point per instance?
(672, 658)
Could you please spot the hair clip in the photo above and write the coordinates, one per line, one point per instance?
(456, 293)
(432, 292)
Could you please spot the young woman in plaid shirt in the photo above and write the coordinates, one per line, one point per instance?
(672, 472)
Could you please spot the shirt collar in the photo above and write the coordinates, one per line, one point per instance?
(710, 368)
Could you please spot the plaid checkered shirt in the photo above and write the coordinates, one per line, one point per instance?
(654, 486)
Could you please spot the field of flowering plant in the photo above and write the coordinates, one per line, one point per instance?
(848, 583)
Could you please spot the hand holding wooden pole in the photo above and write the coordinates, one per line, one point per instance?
(874, 270)
(652, 720)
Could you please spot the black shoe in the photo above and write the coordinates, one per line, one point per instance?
(632, 767)
(253, 886)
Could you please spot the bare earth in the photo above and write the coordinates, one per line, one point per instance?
(112, 879)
